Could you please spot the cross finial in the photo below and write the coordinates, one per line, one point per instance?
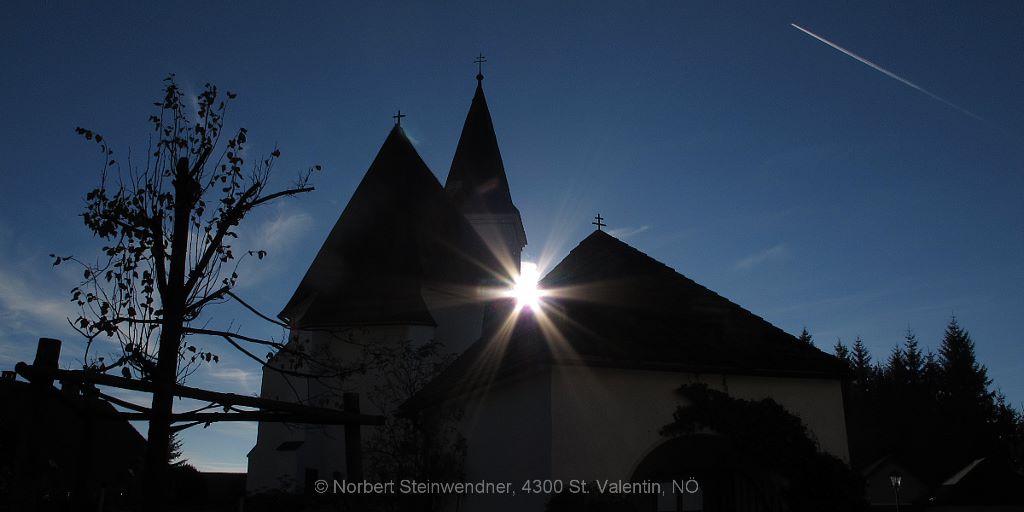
(480, 59)
(598, 222)
(398, 118)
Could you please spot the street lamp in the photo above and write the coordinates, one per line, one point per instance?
(895, 479)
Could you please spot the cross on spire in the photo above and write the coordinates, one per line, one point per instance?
(398, 118)
(598, 222)
(480, 59)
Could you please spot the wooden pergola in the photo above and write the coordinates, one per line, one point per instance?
(43, 372)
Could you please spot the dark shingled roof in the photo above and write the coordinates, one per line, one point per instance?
(477, 182)
(618, 307)
(398, 233)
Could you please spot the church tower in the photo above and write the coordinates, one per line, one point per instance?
(478, 187)
(401, 265)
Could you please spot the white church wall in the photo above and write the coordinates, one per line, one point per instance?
(346, 347)
(270, 468)
(323, 446)
(508, 435)
(459, 316)
(326, 444)
(459, 320)
(606, 420)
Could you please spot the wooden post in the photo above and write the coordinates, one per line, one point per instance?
(86, 478)
(81, 489)
(33, 450)
(353, 441)
(47, 355)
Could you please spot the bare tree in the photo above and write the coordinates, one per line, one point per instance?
(168, 225)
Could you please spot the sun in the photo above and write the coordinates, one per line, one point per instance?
(525, 290)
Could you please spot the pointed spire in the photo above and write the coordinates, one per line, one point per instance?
(477, 182)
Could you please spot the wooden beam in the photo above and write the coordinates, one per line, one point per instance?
(272, 417)
(34, 373)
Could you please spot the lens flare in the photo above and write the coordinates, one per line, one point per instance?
(525, 289)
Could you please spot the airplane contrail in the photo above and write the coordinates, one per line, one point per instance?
(886, 72)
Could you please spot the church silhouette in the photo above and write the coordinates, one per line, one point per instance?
(576, 390)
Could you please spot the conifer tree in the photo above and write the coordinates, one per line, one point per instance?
(895, 370)
(175, 457)
(935, 410)
(964, 380)
(931, 372)
(913, 386)
(912, 357)
(806, 337)
(861, 359)
(966, 405)
(842, 352)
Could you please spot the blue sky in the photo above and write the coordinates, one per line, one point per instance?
(798, 182)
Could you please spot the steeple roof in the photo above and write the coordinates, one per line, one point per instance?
(638, 310)
(618, 307)
(477, 182)
(397, 234)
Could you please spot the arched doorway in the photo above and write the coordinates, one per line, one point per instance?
(705, 473)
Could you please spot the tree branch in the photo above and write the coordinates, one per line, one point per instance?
(197, 305)
(250, 339)
(159, 256)
(257, 313)
(275, 195)
(230, 218)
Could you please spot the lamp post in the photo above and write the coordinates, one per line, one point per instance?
(895, 479)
